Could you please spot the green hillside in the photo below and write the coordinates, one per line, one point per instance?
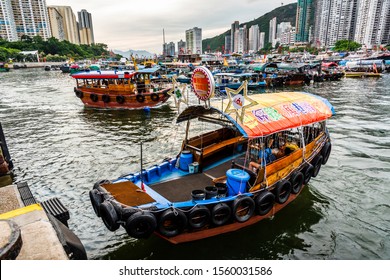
(283, 13)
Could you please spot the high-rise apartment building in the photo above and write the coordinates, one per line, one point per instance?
(253, 38)
(56, 23)
(372, 23)
(235, 26)
(240, 40)
(261, 40)
(7, 22)
(70, 24)
(272, 31)
(194, 40)
(85, 28)
(181, 47)
(305, 14)
(31, 18)
(228, 41)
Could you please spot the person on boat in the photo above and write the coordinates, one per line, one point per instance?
(264, 157)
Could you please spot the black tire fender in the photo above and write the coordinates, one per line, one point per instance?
(154, 97)
(106, 98)
(109, 215)
(317, 165)
(79, 93)
(282, 191)
(264, 202)
(243, 208)
(120, 99)
(141, 224)
(199, 216)
(96, 200)
(172, 222)
(308, 173)
(296, 181)
(94, 97)
(220, 214)
(325, 152)
(140, 98)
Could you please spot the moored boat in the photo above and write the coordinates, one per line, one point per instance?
(120, 90)
(4, 67)
(251, 162)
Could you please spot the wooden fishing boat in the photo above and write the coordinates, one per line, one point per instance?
(361, 74)
(120, 90)
(246, 167)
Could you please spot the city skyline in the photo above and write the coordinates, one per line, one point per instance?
(139, 26)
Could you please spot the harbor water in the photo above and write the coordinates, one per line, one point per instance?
(61, 149)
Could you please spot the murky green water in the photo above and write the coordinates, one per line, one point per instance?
(60, 149)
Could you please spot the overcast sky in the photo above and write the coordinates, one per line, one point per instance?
(138, 25)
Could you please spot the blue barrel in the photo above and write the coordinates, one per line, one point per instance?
(236, 181)
(185, 160)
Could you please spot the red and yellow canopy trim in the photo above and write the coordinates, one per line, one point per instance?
(279, 111)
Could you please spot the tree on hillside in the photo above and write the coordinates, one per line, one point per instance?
(346, 45)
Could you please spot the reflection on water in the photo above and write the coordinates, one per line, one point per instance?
(61, 148)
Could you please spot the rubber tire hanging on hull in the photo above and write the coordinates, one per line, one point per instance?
(79, 93)
(106, 98)
(172, 222)
(325, 152)
(140, 98)
(317, 165)
(96, 201)
(141, 225)
(307, 173)
(155, 97)
(199, 216)
(296, 181)
(243, 208)
(264, 202)
(109, 215)
(120, 99)
(94, 97)
(282, 191)
(220, 214)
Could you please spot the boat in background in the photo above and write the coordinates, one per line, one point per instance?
(120, 90)
(245, 164)
(4, 67)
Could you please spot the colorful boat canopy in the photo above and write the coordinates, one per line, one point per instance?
(277, 112)
(104, 75)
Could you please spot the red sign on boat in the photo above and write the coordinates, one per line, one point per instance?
(203, 83)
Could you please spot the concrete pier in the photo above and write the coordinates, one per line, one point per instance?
(40, 233)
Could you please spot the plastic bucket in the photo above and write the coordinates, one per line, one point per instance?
(185, 160)
(236, 180)
(198, 194)
(193, 167)
(211, 191)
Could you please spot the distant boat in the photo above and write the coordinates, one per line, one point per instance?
(120, 90)
(4, 67)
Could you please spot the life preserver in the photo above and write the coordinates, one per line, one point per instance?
(317, 162)
(96, 201)
(307, 173)
(94, 97)
(109, 215)
(106, 98)
(325, 152)
(140, 98)
(172, 222)
(296, 181)
(120, 99)
(79, 94)
(199, 216)
(220, 214)
(154, 97)
(243, 208)
(264, 202)
(141, 224)
(282, 191)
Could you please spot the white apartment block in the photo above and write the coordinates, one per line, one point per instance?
(31, 18)
(240, 40)
(272, 31)
(7, 22)
(373, 22)
(253, 38)
(194, 40)
(56, 23)
(261, 40)
(70, 24)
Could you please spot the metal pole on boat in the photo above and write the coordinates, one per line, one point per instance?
(141, 175)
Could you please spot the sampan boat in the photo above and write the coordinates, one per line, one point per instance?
(120, 89)
(236, 173)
